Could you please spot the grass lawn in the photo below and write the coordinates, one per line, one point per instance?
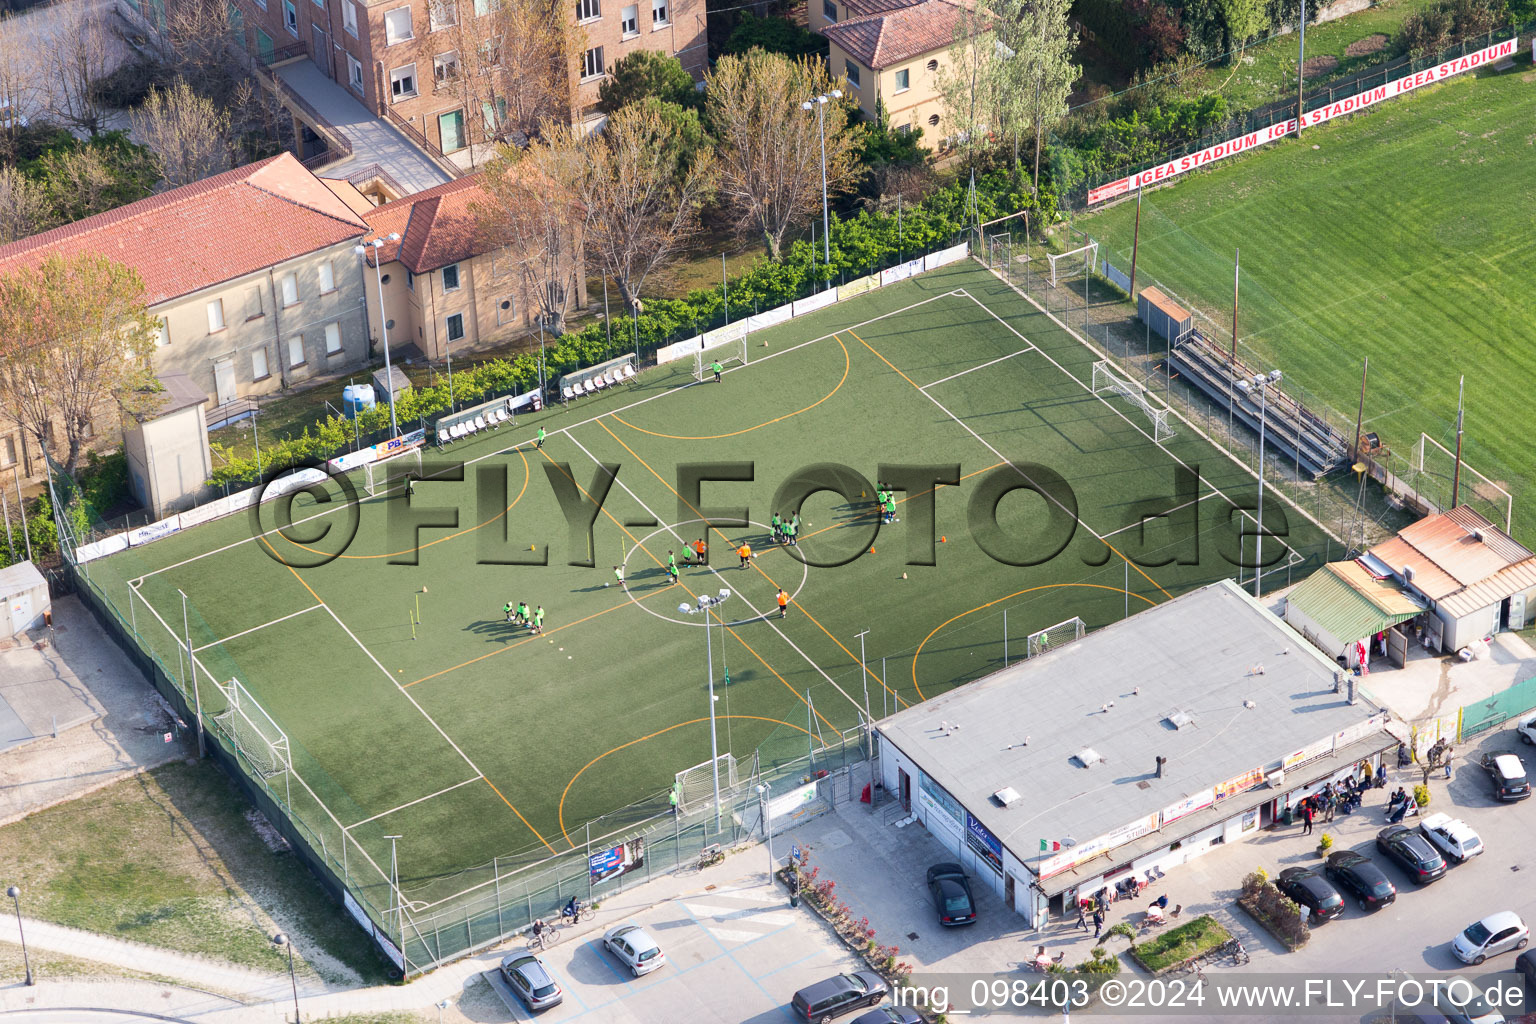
(1176, 945)
(1399, 235)
(167, 858)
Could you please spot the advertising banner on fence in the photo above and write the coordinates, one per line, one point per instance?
(900, 272)
(1322, 115)
(207, 513)
(943, 256)
(351, 460)
(858, 286)
(818, 301)
(678, 349)
(154, 531)
(396, 445)
(769, 317)
(617, 861)
(791, 805)
(1188, 805)
(101, 548)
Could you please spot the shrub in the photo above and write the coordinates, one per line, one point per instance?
(1099, 962)
(1123, 929)
(1325, 842)
(1421, 795)
(776, 35)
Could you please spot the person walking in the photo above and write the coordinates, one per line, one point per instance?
(699, 549)
(1098, 923)
(1082, 916)
(618, 574)
(671, 574)
(539, 441)
(1306, 817)
(745, 553)
(1449, 753)
(783, 600)
(671, 563)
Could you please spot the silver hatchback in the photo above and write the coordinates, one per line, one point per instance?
(531, 980)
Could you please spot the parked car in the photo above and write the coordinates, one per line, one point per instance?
(1450, 999)
(1412, 852)
(1313, 891)
(1525, 963)
(838, 995)
(1527, 728)
(1494, 934)
(531, 980)
(1507, 773)
(889, 1015)
(1359, 876)
(951, 894)
(1454, 837)
(634, 945)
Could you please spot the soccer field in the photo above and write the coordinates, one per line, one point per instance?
(1402, 235)
(470, 738)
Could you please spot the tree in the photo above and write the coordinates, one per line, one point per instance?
(969, 80)
(640, 199)
(197, 37)
(23, 206)
(683, 125)
(85, 178)
(535, 50)
(530, 211)
(18, 75)
(647, 73)
(776, 35)
(72, 64)
(768, 147)
(1244, 20)
(189, 136)
(74, 334)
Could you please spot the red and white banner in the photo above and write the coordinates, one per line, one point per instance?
(1321, 115)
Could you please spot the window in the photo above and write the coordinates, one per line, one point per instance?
(483, 7)
(355, 74)
(441, 14)
(852, 71)
(290, 17)
(456, 327)
(629, 20)
(904, 128)
(8, 450)
(259, 364)
(588, 10)
(658, 13)
(402, 82)
(215, 316)
(253, 307)
(933, 65)
(504, 312)
(933, 120)
(327, 277)
(397, 26)
(410, 280)
(903, 80)
(333, 339)
(349, 17)
(829, 10)
(163, 336)
(290, 289)
(445, 67)
(296, 351)
(490, 54)
(451, 277)
(592, 63)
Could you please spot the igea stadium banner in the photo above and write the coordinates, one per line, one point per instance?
(1280, 129)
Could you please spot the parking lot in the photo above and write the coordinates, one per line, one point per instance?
(735, 953)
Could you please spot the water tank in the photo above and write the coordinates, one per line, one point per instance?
(355, 398)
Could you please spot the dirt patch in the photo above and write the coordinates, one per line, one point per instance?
(1529, 76)
(1370, 44)
(1319, 65)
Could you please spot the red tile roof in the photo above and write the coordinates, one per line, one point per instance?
(436, 226)
(899, 33)
(207, 232)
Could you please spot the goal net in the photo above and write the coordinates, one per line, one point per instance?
(377, 473)
(696, 785)
(1434, 467)
(1106, 379)
(1089, 252)
(725, 355)
(255, 735)
(1055, 636)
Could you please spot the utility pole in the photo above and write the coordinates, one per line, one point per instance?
(1461, 390)
(1301, 64)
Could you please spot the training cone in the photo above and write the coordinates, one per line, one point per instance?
(943, 540)
(871, 550)
(903, 575)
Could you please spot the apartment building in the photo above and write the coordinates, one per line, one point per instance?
(401, 56)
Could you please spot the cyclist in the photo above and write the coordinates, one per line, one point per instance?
(538, 931)
(572, 910)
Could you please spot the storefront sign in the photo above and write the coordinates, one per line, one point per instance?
(1240, 783)
(986, 845)
(1189, 805)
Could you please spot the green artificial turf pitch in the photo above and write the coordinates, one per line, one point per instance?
(478, 740)
(1402, 235)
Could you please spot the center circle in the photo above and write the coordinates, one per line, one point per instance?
(673, 614)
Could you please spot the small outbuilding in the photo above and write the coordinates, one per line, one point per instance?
(1343, 606)
(25, 594)
(166, 444)
(1168, 320)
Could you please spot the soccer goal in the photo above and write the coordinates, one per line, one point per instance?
(725, 355)
(255, 735)
(377, 473)
(1089, 252)
(696, 785)
(1054, 636)
(1435, 461)
(1106, 379)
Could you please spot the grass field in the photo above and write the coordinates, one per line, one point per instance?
(1401, 235)
(477, 740)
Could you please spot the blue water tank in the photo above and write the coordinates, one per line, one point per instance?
(355, 398)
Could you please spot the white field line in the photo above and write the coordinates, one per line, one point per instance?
(413, 803)
(565, 429)
(973, 369)
(1213, 492)
(253, 629)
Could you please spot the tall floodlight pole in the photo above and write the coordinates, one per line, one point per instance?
(378, 275)
(707, 605)
(14, 892)
(1261, 383)
(819, 104)
(765, 792)
(1461, 390)
(394, 881)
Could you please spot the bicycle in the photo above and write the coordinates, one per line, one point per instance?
(1236, 953)
(585, 912)
(710, 856)
(543, 938)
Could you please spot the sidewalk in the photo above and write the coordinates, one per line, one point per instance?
(374, 140)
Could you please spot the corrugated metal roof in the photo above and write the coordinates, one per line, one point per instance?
(1452, 547)
(1428, 578)
(1502, 543)
(1458, 570)
(1512, 580)
(1350, 603)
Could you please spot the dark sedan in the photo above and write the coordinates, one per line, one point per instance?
(1359, 876)
(1312, 891)
(1412, 852)
(951, 894)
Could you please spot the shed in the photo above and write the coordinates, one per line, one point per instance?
(25, 594)
(1477, 579)
(1343, 603)
(391, 384)
(167, 446)
(1167, 318)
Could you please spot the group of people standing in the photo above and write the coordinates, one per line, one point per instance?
(886, 498)
(519, 615)
(786, 530)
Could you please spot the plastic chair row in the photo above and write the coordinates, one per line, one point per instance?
(489, 420)
(612, 378)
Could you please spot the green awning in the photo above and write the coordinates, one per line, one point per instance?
(1350, 604)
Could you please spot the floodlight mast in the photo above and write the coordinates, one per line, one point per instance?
(706, 605)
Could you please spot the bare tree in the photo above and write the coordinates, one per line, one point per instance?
(189, 134)
(77, 182)
(74, 334)
(769, 150)
(640, 197)
(23, 206)
(530, 210)
(198, 37)
(76, 57)
(533, 69)
(472, 72)
(18, 80)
